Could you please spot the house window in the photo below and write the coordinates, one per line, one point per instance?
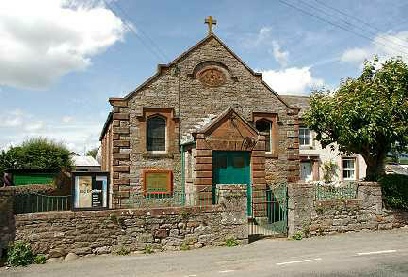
(349, 168)
(304, 136)
(156, 134)
(265, 129)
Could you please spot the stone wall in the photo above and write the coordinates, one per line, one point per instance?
(321, 217)
(7, 229)
(100, 232)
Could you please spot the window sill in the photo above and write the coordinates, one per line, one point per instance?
(306, 147)
(157, 155)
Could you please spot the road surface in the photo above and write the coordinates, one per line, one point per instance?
(383, 253)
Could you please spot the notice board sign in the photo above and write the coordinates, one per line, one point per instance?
(90, 190)
(157, 181)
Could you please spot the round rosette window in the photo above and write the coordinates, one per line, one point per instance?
(211, 77)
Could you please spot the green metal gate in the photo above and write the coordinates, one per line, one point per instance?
(269, 212)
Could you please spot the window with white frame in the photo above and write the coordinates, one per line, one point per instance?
(265, 129)
(304, 136)
(156, 134)
(349, 168)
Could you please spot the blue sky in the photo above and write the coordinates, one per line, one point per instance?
(60, 61)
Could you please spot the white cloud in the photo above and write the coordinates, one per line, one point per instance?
(50, 38)
(18, 125)
(384, 45)
(356, 55)
(293, 80)
(67, 119)
(13, 118)
(34, 126)
(280, 56)
(264, 39)
(264, 36)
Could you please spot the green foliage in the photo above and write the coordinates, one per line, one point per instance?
(297, 236)
(365, 115)
(231, 241)
(395, 190)
(184, 246)
(40, 259)
(122, 251)
(36, 153)
(20, 253)
(148, 249)
(329, 171)
(92, 152)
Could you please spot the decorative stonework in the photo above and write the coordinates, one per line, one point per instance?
(211, 77)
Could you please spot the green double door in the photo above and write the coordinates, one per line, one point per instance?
(232, 167)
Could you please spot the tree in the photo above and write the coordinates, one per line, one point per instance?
(366, 115)
(93, 152)
(36, 153)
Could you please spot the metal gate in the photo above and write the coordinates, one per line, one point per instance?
(269, 212)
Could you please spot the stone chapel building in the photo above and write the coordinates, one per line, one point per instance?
(205, 118)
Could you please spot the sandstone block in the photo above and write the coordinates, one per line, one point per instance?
(57, 253)
(71, 257)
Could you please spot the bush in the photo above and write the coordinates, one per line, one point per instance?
(36, 153)
(230, 242)
(122, 251)
(40, 259)
(297, 236)
(395, 190)
(20, 253)
(148, 249)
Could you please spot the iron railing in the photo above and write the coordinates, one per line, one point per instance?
(37, 203)
(203, 197)
(330, 192)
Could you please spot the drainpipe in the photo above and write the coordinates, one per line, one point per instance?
(183, 184)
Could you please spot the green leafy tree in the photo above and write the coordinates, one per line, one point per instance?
(366, 115)
(36, 153)
(93, 152)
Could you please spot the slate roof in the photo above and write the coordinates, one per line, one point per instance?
(297, 101)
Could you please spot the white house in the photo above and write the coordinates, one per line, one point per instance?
(313, 156)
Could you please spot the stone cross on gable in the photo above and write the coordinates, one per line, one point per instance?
(210, 21)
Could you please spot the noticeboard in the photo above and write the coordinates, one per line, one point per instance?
(90, 190)
(157, 181)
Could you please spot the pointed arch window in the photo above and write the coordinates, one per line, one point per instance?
(265, 129)
(156, 133)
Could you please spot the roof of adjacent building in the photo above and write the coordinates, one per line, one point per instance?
(84, 161)
(297, 101)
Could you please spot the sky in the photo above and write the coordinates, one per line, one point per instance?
(60, 61)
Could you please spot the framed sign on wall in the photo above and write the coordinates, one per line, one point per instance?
(90, 190)
(157, 181)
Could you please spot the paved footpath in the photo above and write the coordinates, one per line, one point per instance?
(383, 253)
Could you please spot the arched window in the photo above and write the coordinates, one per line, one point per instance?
(265, 129)
(156, 133)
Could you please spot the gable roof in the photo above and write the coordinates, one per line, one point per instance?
(185, 54)
(226, 113)
(301, 102)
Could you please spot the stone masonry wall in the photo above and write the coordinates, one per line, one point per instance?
(322, 217)
(101, 232)
(7, 230)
